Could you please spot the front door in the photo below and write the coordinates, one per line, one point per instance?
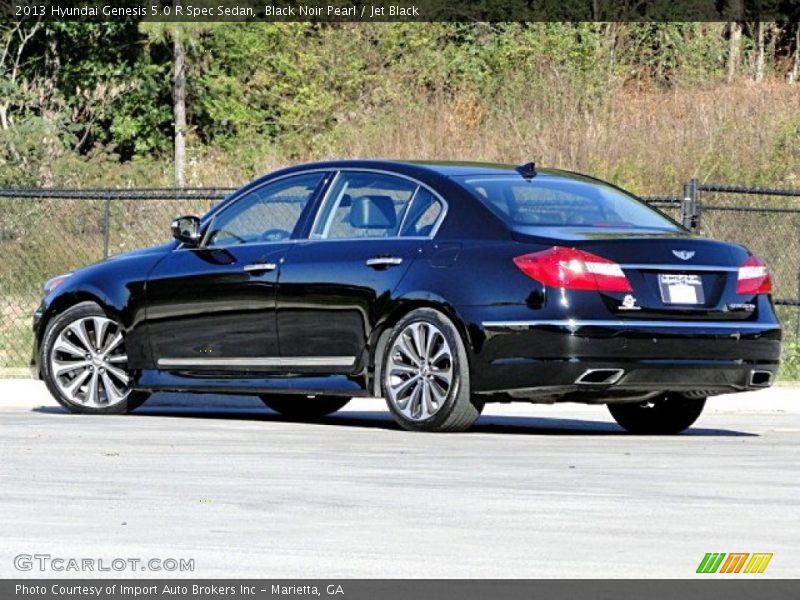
(212, 308)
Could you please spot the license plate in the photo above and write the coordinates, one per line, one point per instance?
(681, 289)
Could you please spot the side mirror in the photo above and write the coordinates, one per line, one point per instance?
(187, 230)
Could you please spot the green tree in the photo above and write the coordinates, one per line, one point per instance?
(181, 37)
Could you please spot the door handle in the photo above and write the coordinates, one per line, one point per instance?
(256, 267)
(384, 261)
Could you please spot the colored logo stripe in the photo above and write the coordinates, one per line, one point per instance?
(758, 563)
(734, 562)
(713, 562)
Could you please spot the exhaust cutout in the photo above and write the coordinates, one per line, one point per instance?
(761, 378)
(600, 376)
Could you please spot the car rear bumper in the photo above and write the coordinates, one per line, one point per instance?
(547, 358)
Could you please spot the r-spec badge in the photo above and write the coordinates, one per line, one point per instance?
(629, 303)
(684, 254)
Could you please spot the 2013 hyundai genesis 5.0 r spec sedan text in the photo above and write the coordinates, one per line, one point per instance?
(438, 286)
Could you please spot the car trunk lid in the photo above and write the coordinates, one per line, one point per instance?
(673, 275)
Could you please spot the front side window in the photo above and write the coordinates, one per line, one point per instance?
(269, 213)
(554, 201)
(364, 205)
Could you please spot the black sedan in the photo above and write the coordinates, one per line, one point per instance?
(438, 286)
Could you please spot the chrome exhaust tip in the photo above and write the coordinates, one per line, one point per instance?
(600, 376)
(760, 378)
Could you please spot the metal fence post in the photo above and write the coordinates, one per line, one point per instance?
(106, 225)
(690, 205)
(686, 209)
(695, 187)
(797, 319)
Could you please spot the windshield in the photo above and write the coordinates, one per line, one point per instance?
(552, 201)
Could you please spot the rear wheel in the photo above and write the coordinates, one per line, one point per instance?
(84, 363)
(666, 414)
(304, 408)
(425, 374)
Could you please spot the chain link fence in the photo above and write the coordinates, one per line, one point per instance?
(46, 232)
(767, 222)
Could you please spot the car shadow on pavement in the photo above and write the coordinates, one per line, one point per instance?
(497, 424)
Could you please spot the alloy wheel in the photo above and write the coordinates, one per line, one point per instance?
(89, 364)
(419, 371)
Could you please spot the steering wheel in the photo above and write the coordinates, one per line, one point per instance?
(275, 235)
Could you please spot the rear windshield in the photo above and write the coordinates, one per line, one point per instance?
(552, 201)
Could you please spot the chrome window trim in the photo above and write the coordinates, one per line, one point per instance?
(365, 239)
(633, 323)
(323, 201)
(419, 184)
(291, 361)
(407, 210)
(678, 267)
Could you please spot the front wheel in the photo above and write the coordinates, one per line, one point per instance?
(666, 414)
(425, 374)
(84, 363)
(304, 408)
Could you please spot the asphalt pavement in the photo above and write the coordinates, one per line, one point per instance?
(530, 492)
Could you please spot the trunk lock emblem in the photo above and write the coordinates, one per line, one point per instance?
(684, 254)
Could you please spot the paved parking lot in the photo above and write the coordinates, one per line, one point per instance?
(533, 491)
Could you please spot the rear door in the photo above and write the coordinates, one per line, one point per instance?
(335, 285)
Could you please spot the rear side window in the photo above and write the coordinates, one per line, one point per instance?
(551, 201)
(423, 215)
(364, 205)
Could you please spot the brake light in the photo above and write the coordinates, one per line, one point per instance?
(753, 278)
(573, 269)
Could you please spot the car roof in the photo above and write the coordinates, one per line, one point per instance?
(437, 167)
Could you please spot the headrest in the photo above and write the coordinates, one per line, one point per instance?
(373, 212)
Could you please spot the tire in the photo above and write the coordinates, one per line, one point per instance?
(425, 376)
(302, 408)
(84, 364)
(667, 414)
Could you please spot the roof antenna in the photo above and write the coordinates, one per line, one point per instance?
(528, 170)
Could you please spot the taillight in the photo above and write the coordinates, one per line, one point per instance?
(753, 278)
(573, 269)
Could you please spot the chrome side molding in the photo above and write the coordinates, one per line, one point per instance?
(289, 361)
(573, 324)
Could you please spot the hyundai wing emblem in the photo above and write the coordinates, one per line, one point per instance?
(684, 254)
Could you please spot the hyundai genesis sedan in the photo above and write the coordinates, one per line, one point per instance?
(437, 286)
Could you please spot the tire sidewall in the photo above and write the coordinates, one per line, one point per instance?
(678, 414)
(53, 330)
(295, 406)
(459, 391)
